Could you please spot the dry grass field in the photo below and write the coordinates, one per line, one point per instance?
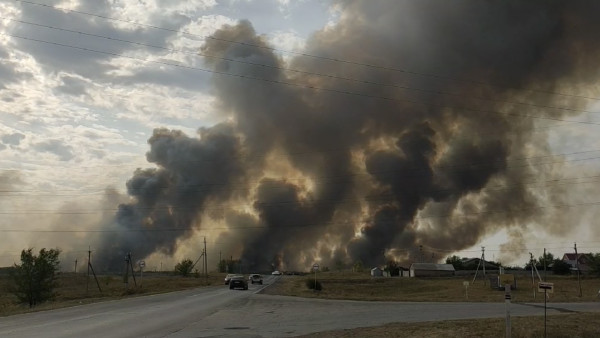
(577, 325)
(72, 289)
(355, 286)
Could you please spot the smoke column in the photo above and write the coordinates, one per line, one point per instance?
(424, 138)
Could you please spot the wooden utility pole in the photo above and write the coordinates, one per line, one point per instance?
(87, 285)
(577, 267)
(483, 261)
(90, 267)
(205, 262)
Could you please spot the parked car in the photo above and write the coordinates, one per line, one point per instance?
(255, 278)
(276, 273)
(238, 282)
(228, 278)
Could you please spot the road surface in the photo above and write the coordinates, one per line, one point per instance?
(220, 312)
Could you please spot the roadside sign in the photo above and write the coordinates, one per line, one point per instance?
(142, 264)
(465, 283)
(504, 279)
(546, 287)
(315, 267)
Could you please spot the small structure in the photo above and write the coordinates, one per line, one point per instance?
(580, 260)
(473, 263)
(431, 270)
(376, 272)
(404, 272)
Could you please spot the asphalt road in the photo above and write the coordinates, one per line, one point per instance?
(220, 312)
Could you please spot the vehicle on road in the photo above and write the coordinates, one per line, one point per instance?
(238, 282)
(229, 277)
(255, 278)
(276, 273)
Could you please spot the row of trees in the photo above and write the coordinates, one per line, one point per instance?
(548, 261)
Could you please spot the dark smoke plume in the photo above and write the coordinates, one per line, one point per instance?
(423, 157)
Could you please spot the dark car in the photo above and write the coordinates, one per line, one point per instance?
(238, 282)
(229, 277)
(255, 278)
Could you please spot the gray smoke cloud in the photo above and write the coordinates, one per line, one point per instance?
(340, 177)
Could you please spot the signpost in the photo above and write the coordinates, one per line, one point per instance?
(507, 298)
(142, 265)
(546, 288)
(315, 268)
(466, 285)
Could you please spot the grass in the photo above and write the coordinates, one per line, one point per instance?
(577, 325)
(74, 289)
(360, 286)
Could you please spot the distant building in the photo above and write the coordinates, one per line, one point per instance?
(472, 263)
(580, 260)
(431, 270)
(376, 272)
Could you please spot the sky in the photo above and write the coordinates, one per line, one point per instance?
(85, 85)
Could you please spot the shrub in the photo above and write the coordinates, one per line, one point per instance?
(184, 268)
(35, 278)
(310, 283)
(561, 267)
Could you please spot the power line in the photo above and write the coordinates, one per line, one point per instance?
(279, 82)
(362, 81)
(332, 59)
(416, 171)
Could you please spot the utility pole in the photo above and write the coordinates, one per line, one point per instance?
(545, 275)
(532, 266)
(87, 285)
(89, 266)
(205, 262)
(483, 261)
(577, 267)
(75, 265)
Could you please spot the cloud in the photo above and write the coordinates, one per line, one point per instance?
(56, 147)
(12, 139)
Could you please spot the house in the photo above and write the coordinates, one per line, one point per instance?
(376, 272)
(473, 263)
(580, 260)
(431, 270)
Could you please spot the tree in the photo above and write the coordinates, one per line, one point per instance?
(35, 278)
(184, 267)
(358, 266)
(594, 263)
(560, 267)
(549, 259)
(456, 261)
(392, 267)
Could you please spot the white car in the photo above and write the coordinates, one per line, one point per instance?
(276, 273)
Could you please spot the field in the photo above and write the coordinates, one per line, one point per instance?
(355, 286)
(360, 287)
(74, 289)
(577, 325)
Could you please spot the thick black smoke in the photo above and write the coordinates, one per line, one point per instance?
(419, 149)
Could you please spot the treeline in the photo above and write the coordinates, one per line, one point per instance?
(591, 261)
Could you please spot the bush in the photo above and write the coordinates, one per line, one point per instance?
(184, 268)
(310, 283)
(35, 278)
(561, 267)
